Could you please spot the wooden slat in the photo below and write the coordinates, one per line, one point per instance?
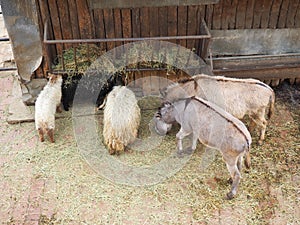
(162, 19)
(241, 14)
(126, 23)
(225, 14)
(154, 83)
(229, 11)
(117, 25)
(172, 21)
(154, 24)
(274, 14)
(43, 14)
(163, 23)
(249, 14)
(109, 26)
(292, 11)
(65, 21)
(192, 25)
(145, 22)
(74, 19)
(182, 23)
(199, 17)
(283, 14)
(84, 19)
(136, 25)
(208, 15)
(217, 16)
(99, 26)
(257, 14)
(265, 15)
(146, 82)
(54, 15)
(297, 18)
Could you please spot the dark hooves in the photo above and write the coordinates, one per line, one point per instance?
(229, 196)
(260, 142)
(180, 154)
(187, 151)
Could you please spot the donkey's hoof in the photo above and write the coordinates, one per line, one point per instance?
(229, 196)
(188, 151)
(180, 154)
(260, 142)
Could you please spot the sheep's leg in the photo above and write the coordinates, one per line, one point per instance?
(235, 176)
(180, 135)
(111, 149)
(58, 109)
(51, 134)
(103, 104)
(41, 134)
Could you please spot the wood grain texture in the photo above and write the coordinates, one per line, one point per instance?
(74, 19)
(84, 19)
(274, 14)
(109, 26)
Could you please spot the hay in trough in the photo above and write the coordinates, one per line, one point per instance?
(78, 59)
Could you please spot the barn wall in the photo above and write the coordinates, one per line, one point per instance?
(73, 19)
(253, 14)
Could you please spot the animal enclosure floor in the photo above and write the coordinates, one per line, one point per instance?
(44, 183)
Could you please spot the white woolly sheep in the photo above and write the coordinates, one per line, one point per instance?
(121, 119)
(47, 103)
(239, 97)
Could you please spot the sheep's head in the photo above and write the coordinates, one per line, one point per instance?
(54, 78)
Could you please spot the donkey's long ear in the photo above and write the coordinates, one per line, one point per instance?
(167, 104)
(195, 84)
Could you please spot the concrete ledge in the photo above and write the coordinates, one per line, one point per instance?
(18, 111)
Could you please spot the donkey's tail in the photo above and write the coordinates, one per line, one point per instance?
(272, 105)
(247, 159)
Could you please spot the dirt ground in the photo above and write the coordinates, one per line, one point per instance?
(44, 183)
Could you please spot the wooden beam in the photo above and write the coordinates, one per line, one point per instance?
(104, 4)
(262, 74)
(255, 41)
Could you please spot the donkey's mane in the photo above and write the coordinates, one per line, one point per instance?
(182, 82)
(185, 80)
(233, 80)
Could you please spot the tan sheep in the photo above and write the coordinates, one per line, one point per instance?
(121, 119)
(239, 97)
(47, 103)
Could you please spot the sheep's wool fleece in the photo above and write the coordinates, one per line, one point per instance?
(121, 115)
(46, 103)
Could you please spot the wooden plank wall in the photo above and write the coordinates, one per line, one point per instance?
(72, 19)
(253, 14)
